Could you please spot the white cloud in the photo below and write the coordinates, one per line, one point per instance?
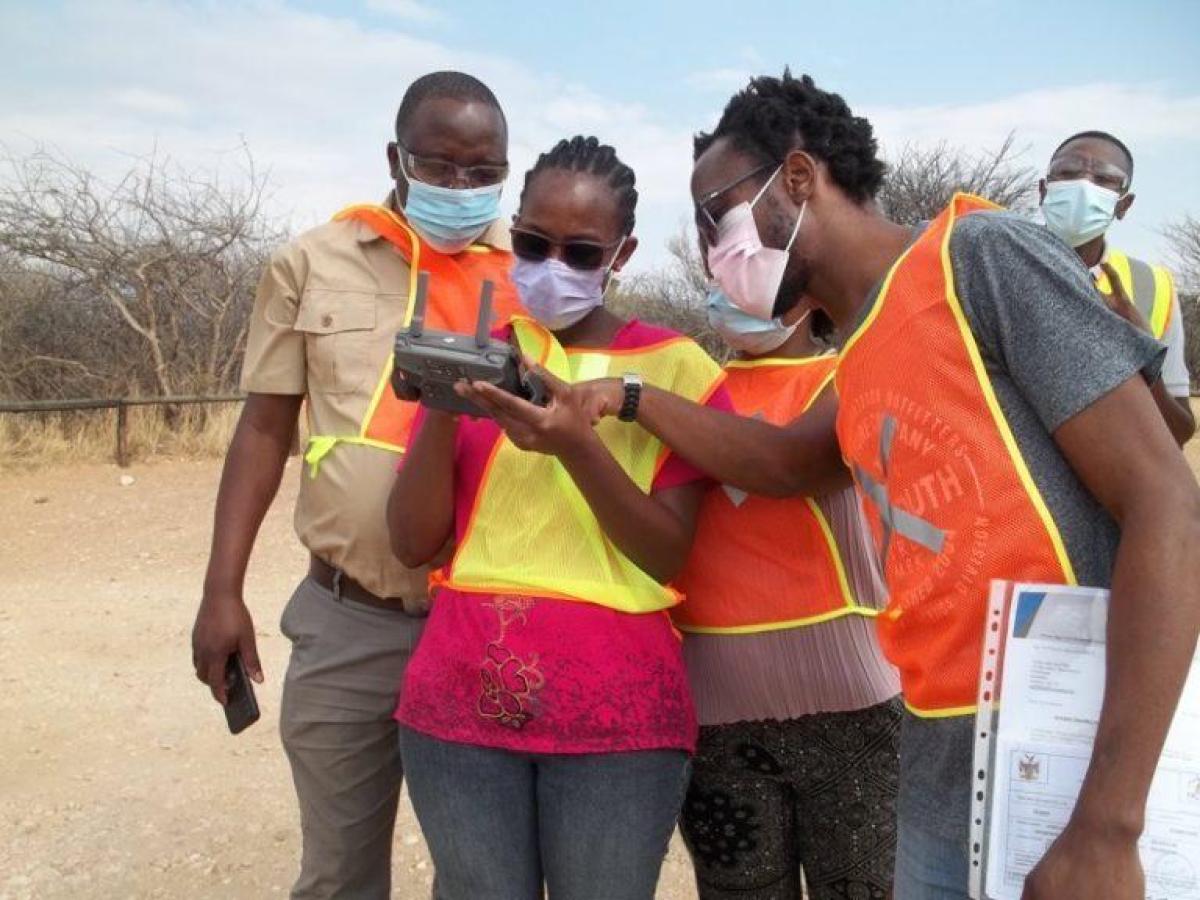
(719, 80)
(312, 95)
(727, 79)
(409, 10)
(150, 102)
(1140, 114)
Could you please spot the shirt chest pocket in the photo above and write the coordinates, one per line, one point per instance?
(338, 328)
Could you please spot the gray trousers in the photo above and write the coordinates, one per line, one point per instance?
(341, 740)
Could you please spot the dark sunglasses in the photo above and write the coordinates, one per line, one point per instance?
(576, 254)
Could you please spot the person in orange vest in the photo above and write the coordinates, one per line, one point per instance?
(1088, 186)
(998, 423)
(546, 718)
(321, 332)
(796, 769)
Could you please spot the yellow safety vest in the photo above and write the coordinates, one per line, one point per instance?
(532, 531)
(1149, 287)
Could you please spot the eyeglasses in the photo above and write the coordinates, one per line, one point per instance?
(706, 223)
(583, 255)
(443, 173)
(1103, 174)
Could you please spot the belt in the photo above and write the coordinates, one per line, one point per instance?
(343, 587)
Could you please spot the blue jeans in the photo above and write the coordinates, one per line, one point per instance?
(499, 823)
(929, 867)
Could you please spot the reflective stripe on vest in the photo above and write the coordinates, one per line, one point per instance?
(758, 563)
(453, 305)
(531, 531)
(949, 498)
(1149, 287)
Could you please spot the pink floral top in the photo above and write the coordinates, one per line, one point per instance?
(542, 675)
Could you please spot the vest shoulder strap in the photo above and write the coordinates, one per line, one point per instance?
(1149, 287)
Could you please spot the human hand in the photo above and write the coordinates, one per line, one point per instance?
(561, 427)
(1083, 863)
(223, 627)
(1119, 301)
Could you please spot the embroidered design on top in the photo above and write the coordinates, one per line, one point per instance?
(509, 683)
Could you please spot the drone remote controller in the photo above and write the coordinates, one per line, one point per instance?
(434, 361)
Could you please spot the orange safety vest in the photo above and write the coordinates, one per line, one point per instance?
(453, 305)
(531, 531)
(757, 563)
(948, 495)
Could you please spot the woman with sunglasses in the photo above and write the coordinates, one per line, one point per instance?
(546, 718)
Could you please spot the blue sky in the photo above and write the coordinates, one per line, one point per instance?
(312, 87)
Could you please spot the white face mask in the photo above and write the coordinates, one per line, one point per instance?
(557, 295)
(749, 273)
(1078, 211)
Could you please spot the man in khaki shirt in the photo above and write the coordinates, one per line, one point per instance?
(326, 312)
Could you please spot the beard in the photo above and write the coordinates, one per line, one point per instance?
(794, 285)
(796, 275)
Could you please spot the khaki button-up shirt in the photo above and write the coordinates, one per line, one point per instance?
(325, 316)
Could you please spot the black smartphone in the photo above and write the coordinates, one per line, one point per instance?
(241, 708)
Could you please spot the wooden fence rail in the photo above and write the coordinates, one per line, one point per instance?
(120, 404)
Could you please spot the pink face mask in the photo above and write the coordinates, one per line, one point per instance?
(748, 272)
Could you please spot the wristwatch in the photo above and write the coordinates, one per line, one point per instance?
(632, 383)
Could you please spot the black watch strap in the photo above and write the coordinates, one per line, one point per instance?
(633, 397)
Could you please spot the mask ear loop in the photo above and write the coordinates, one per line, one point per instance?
(763, 189)
(610, 276)
(796, 230)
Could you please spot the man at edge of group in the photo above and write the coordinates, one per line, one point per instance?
(796, 770)
(1087, 187)
(326, 311)
(982, 445)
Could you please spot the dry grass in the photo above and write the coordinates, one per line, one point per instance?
(32, 440)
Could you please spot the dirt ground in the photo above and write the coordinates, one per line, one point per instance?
(117, 776)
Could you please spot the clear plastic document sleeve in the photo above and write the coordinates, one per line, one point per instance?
(1040, 691)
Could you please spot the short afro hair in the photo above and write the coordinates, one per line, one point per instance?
(773, 116)
(456, 85)
(1101, 136)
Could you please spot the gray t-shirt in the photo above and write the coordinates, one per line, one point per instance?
(1051, 351)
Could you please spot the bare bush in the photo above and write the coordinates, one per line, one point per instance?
(1184, 236)
(921, 180)
(673, 296)
(139, 286)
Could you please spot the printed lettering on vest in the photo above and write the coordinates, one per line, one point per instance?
(947, 493)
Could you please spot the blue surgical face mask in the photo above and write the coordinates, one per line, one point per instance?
(743, 332)
(450, 219)
(557, 295)
(1078, 211)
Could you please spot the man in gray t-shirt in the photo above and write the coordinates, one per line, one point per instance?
(785, 191)
(1050, 352)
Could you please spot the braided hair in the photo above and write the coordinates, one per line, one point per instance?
(773, 116)
(587, 154)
